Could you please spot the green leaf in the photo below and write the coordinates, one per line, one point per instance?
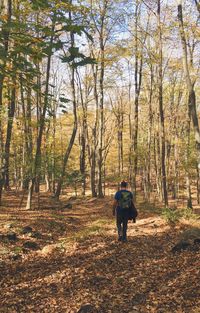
(58, 45)
(40, 4)
(48, 50)
(85, 61)
(67, 59)
(77, 29)
(2, 52)
(74, 51)
(36, 87)
(64, 100)
(74, 54)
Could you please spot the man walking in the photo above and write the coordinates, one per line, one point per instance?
(121, 209)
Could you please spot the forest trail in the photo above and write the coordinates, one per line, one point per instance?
(80, 262)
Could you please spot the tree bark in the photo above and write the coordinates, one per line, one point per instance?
(101, 105)
(74, 131)
(161, 111)
(188, 181)
(149, 138)
(83, 136)
(11, 112)
(120, 122)
(190, 86)
(5, 37)
(37, 161)
(92, 150)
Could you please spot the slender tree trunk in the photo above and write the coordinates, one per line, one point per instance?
(93, 173)
(101, 107)
(47, 161)
(161, 111)
(120, 148)
(149, 140)
(28, 153)
(93, 150)
(130, 169)
(175, 189)
(11, 112)
(198, 186)
(120, 125)
(158, 170)
(82, 159)
(188, 182)
(74, 131)
(37, 161)
(83, 138)
(176, 169)
(138, 83)
(66, 156)
(190, 86)
(53, 176)
(39, 118)
(5, 38)
(137, 93)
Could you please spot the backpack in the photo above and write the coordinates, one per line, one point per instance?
(125, 200)
(126, 203)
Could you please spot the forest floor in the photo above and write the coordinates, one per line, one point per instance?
(75, 263)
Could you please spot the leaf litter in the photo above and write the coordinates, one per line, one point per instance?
(81, 264)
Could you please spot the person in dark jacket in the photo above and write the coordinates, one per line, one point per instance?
(121, 205)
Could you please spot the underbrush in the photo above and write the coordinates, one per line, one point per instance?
(173, 215)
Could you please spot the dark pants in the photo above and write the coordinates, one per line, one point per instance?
(122, 222)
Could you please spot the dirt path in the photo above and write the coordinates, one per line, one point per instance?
(88, 266)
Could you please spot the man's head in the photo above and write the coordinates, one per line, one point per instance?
(123, 184)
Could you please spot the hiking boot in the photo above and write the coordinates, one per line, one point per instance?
(120, 238)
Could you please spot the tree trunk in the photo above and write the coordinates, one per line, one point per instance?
(158, 170)
(190, 86)
(136, 102)
(11, 112)
(53, 176)
(120, 143)
(161, 111)
(130, 126)
(5, 38)
(37, 161)
(101, 107)
(188, 182)
(93, 173)
(30, 194)
(83, 137)
(73, 135)
(27, 153)
(149, 139)
(92, 150)
(83, 158)
(198, 186)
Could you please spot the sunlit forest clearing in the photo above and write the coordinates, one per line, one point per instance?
(94, 93)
